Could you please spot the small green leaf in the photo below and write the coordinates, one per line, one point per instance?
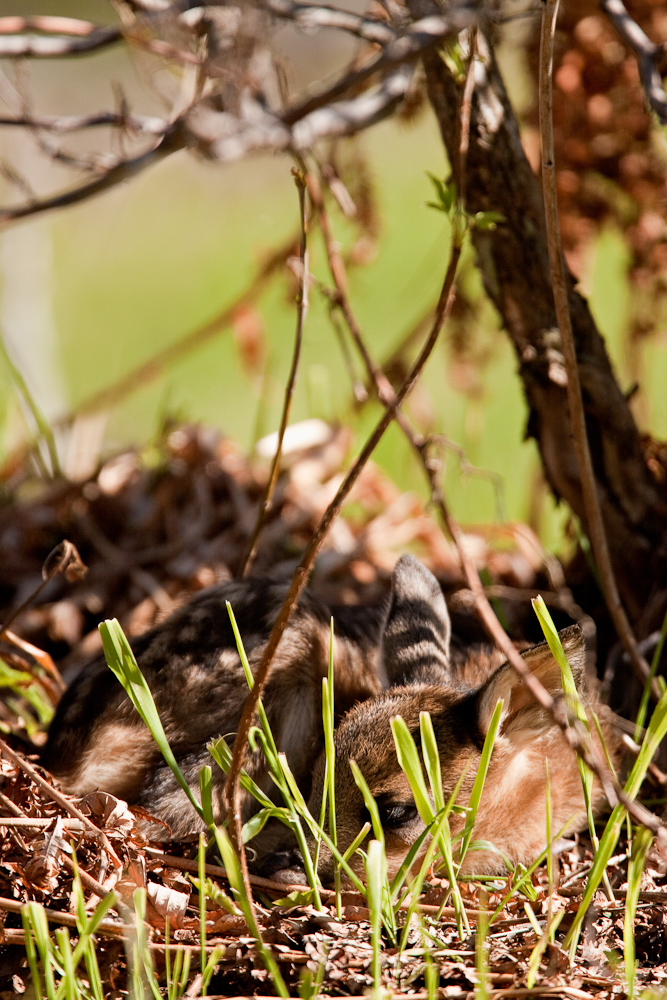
(487, 220)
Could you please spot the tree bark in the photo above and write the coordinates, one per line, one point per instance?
(514, 264)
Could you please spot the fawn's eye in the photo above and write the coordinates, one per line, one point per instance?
(397, 814)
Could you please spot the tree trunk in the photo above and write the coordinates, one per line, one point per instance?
(514, 264)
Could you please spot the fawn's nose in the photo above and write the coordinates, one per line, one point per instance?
(283, 866)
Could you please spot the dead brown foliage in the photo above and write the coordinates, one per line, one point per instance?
(152, 528)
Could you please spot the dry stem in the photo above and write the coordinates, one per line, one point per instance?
(232, 789)
(61, 799)
(300, 179)
(610, 786)
(648, 55)
(595, 524)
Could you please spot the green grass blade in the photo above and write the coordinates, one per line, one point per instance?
(222, 755)
(655, 733)
(369, 801)
(575, 703)
(572, 696)
(357, 842)
(233, 870)
(431, 759)
(143, 962)
(376, 876)
(121, 661)
(435, 830)
(641, 843)
(481, 950)
(209, 968)
(68, 984)
(408, 758)
(478, 786)
(206, 794)
(646, 693)
(328, 721)
(272, 751)
(201, 870)
(31, 953)
(40, 927)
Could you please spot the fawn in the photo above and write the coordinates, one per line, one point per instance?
(390, 660)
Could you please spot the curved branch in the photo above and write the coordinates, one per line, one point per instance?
(596, 529)
(514, 263)
(422, 36)
(310, 16)
(224, 137)
(121, 171)
(139, 124)
(69, 37)
(647, 53)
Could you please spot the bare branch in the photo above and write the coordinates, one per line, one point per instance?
(121, 171)
(300, 178)
(419, 37)
(225, 137)
(15, 24)
(612, 790)
(139, 124)
(310, 16)
(63, 801)
(232, 788)
(647, 53)
(69, 37)
(596, 530)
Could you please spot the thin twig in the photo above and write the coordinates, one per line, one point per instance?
(62, 124)
(19, 46)
(88, 881)
(417, 39)
(610, 786)
(383, 387)
(186, 865)
(594, 520)
(37, 822)
(300, 179)
(648, 55)
(63, 559)
(106, 926)
(61, 799)
(121, 171)
(311, 16)
(232, 788)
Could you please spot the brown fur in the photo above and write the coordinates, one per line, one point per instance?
(392, 660)
(512, 811)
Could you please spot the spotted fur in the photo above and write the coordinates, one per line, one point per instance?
(393, 659)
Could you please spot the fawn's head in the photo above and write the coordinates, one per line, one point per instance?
(512, 810)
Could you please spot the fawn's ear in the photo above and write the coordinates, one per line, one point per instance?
(521, 713)
(417, 629)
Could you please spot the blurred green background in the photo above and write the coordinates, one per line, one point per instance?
(89, 292)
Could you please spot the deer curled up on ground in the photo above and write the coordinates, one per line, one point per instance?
(391, 660)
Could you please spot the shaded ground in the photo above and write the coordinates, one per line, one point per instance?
(157, 526)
